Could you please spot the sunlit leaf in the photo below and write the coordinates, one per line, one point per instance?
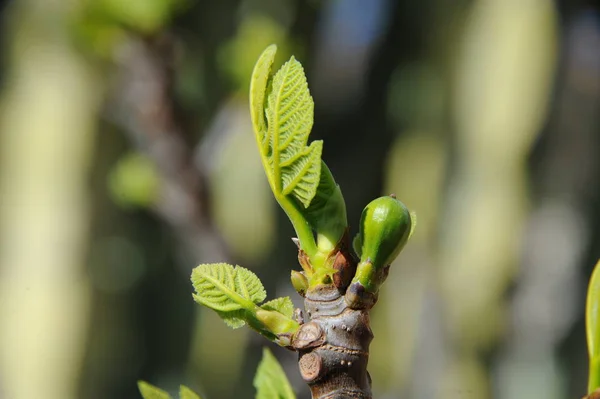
(283, 305)
(149, 391)
(270, 380)
(295, 167)
(291, 166)
(282, 115)
(258, 86)
(228, 290)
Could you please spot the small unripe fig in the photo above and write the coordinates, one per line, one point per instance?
(385, 226)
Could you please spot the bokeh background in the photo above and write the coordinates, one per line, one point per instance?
(127, 158)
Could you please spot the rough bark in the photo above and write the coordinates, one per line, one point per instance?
(333, 343)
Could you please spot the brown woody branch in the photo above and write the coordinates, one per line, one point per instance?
(333, 346)
(142, 104)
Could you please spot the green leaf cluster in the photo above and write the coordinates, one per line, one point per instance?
(100, 25)
(282, 112)
(149, 391)
(270, 383)
(236, 293)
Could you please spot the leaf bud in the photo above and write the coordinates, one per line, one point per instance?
(299, 282)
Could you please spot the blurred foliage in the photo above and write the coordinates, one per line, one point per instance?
(101, 25)
(254, 34)
(149, 391)
(134, 181)
(481, 115)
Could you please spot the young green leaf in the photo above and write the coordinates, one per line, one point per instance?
(186, 393)
(327, 212)
(258, 87)
(300, 181)
(295, 168)
(592, 326)
(149, 391)
(235, 293)
(228, 290)
(270, 380)
(282, 305)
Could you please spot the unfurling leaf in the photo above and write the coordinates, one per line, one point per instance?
(294, 167)
(186, 393)
(270, 380)
(592, 326)
(283, 305)
(282, 116)
(327, 212)
(149, 391)
(235, 294)
(228, 290)
(258, 86)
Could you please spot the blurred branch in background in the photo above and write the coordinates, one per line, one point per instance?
(142, 104)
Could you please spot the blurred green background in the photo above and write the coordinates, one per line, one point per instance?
(127, 158)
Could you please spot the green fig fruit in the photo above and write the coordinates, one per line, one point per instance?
(385, 226)
(384, 229)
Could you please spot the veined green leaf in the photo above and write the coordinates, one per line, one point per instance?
(283, 305)
(235, 293)
(149, 391)
(270, 380)
(300, 181)
(295, 168)
(592, 326)
(228, 290)
(327, 212)
(258, 87)
(234, 319)
(186, 393)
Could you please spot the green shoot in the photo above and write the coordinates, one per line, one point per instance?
(282, 116)
(592, 326)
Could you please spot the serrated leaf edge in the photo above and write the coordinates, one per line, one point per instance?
(145, 388)
(241, 301)
(269, 305)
